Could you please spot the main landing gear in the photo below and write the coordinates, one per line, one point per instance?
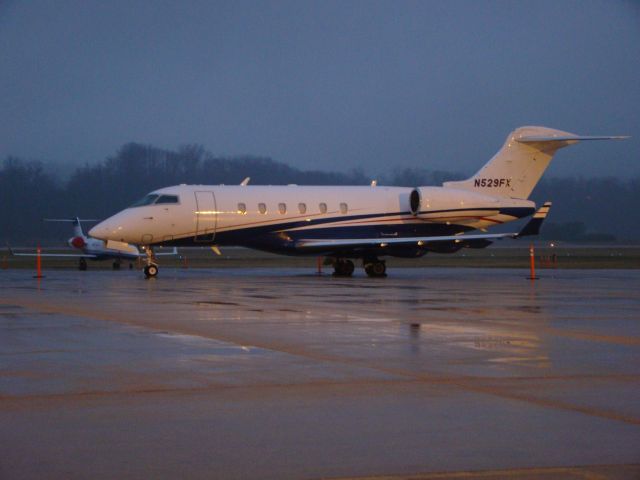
(343, 267)
(372, 266)
(151, 268)
(375, 268)
(82, 265)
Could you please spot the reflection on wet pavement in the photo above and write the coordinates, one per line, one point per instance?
(427, 370)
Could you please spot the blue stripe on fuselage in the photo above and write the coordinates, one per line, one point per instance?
(280, 237)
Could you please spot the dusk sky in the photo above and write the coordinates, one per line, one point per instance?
(321, 85)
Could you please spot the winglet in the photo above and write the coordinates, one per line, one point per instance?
(533, 226)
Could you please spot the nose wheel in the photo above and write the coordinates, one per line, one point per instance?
(151, 268)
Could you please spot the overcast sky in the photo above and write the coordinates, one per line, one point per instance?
(323, 85)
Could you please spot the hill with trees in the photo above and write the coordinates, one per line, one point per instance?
(593, 209)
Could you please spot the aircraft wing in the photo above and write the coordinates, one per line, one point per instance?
(159, 254)
(531, 228)
(76, 255)
(402, 241)
(126, 249)
(30, 254)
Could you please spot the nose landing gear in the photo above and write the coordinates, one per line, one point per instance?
(151, 268)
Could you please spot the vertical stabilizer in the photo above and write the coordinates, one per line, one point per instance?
(77, 228)
(517, 167)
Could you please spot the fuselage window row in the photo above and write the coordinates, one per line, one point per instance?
(282, 208)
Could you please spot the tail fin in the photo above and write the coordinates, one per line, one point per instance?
(77, 228)
(517, 167)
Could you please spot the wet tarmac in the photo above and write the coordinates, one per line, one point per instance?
(277, 374)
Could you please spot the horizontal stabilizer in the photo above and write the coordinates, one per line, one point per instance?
(567, 138)
(71, 220)
(515, 170)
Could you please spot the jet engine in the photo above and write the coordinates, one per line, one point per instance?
(77, 242)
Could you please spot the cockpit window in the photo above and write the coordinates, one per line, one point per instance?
(167, 199)
(154, 198)
(148, 200)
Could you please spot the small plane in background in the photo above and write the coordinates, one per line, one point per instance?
(92, 248)
(345, 223)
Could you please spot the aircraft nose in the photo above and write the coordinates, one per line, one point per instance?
(100, 231)
(117, 228)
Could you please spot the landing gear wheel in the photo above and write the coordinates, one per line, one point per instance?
(82, 265)
(376, 269)
(150, 270)
(343, 268)
(116, 265)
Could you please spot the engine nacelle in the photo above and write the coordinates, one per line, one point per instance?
(77, 242)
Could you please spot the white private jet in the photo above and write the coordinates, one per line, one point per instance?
(92, 248)
(347, 223)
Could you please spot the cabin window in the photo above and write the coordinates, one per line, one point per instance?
(242, 208)
(262, 208)
(302, 208)
(344, 208)
(147, 200)
(323, 207)
(167, 199)
(282, 208)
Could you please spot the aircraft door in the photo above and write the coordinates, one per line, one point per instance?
(206, 217)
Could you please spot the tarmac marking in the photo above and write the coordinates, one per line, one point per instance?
(595, 472)
(594, 337)
(468, 383)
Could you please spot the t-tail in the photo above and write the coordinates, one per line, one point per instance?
(517, 167)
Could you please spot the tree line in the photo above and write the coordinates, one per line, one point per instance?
(593, 209)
